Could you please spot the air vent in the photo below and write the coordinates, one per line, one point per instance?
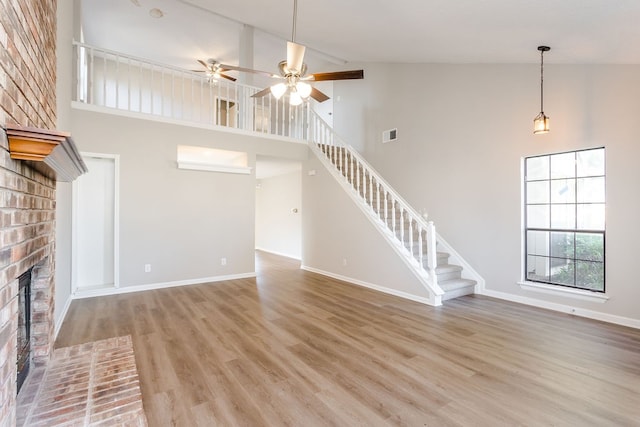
(389, 135)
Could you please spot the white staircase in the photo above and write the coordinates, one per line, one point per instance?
(409, 233)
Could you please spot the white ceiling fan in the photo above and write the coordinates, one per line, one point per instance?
(293, 73)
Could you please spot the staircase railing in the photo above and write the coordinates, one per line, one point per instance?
(105, 78)
(416, 236)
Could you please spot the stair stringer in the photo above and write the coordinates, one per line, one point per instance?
(423, 276)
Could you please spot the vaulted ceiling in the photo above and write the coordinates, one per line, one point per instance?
(340, 31)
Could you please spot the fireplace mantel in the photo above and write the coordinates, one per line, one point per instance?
(52, 148)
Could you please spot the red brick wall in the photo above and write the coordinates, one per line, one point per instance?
(27, 199)
(28, 62)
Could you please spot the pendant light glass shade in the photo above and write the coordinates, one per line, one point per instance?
(541, 122)
(278, 90)
(295, 98)
(303, 89)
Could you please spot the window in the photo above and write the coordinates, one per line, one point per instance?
(564, 208)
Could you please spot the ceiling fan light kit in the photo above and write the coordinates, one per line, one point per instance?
(541, 121)
(214, 71)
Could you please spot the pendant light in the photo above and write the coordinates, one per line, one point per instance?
(541, 122)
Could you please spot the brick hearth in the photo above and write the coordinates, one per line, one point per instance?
(87, 384)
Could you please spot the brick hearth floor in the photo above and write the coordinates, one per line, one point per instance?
(93, 384)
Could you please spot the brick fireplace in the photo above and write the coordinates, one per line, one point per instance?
(27, 221)
(27, 191)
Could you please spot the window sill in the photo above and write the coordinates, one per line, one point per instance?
(564, 292)
(214, 168)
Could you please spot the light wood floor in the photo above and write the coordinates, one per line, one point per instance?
(296, 348)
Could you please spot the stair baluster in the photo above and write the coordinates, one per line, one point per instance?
(402, 225)
(420, 249)
(351, 170)
(386, 209)
(378, 199)
(393, 216)
(410, 236)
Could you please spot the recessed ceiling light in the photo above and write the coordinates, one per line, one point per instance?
(156, 13)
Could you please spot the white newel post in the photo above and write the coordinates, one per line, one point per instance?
(432, 259)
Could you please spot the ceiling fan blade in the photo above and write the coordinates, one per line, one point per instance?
(224, 76)
(225, 67)
(262, 93)
(295, 56)
(317, 95)
(338, 75)
(204, 64)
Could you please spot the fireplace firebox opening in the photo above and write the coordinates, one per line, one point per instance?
(24, 327)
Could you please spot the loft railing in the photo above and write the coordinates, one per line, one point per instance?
(110, 79)
(415, 235)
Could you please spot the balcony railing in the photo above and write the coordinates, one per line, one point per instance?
(113, 80)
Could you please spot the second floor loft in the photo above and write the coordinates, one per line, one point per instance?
(111, 80)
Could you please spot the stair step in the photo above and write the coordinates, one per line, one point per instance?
(448, 272)
(442, 258)
(456, 288)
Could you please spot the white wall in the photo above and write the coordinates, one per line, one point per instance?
(462, 132)
(182, 222)
(278, 227)
(324, 109)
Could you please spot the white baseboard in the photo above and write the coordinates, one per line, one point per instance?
(590, 314)
(58, 325)
(269, 251)
(151, 286)
(378, 288)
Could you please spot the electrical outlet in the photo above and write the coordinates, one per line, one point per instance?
(223, 261)
(344, 262)
(147, 268)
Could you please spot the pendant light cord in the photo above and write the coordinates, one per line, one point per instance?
(541, 81)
